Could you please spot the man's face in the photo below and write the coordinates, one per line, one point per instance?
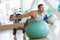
(41, 8)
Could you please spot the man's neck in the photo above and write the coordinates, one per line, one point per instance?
(40, 12)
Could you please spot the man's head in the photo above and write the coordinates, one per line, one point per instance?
(41, 7)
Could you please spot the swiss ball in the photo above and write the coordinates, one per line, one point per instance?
(49, 10)
(26, 11)
(59, 7)
(52, 18)
(37, 30)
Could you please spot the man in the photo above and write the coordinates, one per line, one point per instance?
(36, 15)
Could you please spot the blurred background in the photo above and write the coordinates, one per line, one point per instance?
(9, 7)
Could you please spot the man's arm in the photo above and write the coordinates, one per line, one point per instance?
(25, 15)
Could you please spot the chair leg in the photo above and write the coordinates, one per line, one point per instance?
(15, 38)
(24, 36)
(14, 33)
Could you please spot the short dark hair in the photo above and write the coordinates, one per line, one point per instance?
(40, 5)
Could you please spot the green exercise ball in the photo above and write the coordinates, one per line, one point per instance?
(52, 19)
(26, 11)
(59, 7)
(38, 29)
(49, 10)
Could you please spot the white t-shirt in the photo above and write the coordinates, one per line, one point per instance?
(38, 17)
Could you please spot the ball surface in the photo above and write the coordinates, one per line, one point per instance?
(38, 29)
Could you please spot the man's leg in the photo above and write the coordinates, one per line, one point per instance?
(16, 29)
(12, 26)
